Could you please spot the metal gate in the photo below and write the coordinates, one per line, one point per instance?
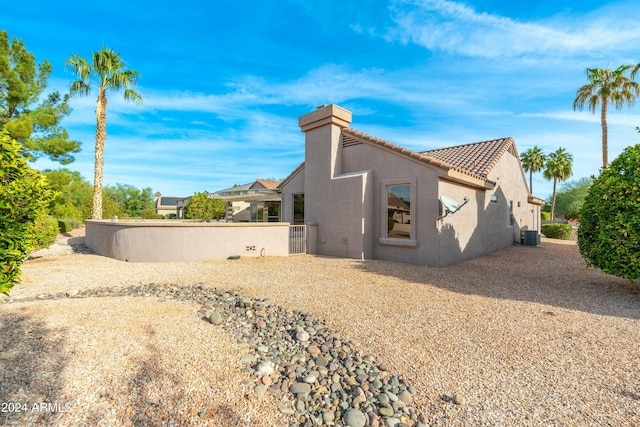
(297, 239)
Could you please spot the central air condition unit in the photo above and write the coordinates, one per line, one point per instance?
(530, 238)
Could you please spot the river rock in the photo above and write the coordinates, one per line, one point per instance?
(265, 368)
(459, 400)
(302, 336)
(385, 412)
(300, 387)
(215, 318)
(405, 397)
(355, 418)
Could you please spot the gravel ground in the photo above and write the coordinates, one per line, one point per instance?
(525, 336)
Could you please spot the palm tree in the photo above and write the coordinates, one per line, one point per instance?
(107, 70)
(532, 161)
(558, 168)
(604, 87)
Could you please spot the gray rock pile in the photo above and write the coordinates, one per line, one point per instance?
(319, 378)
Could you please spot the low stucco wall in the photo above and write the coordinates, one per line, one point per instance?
(152, 241)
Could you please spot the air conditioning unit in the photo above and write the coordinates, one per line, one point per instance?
(530, 238)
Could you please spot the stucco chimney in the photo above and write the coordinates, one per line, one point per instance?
(325, 115)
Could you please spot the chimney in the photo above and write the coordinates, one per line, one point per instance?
(325, 115)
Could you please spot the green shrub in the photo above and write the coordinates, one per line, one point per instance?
(45, 231)
(66, 212)
(200, 206)
(74, 223)
(23, 200)
(609, 233)
(557, 231)
(545, 216)
(64, 226)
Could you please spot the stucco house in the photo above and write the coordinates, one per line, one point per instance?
(257, 201)
(170, 206)
(371, 199)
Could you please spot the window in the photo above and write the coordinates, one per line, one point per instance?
(399, 211)
(510, 213)
(398, 226)
(298, 209)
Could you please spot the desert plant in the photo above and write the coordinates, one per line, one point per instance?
(607, 87)
(201, 206)
(570, 197)
(27, 113)
(559, 168)
(45, 230)
(532, 161)
(557, 231)
(23, 200)
(108, 72)
(64, 226)
(545, 216)
(609, 233)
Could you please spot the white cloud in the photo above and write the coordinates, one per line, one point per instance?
(454, 27)
(613, 118)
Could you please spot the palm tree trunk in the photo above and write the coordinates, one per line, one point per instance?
(553, 200)
(101, 134)
(605, 133)
(531, 181)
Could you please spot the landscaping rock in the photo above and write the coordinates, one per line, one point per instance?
(328, 379)
(215, 318)
(355, 418)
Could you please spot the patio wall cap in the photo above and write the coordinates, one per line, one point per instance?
(180, 223)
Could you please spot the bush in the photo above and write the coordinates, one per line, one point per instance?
(545, 216)
(23, 201)
(570, 197)
(609, 233)
(64, 226)
(74, 223)
(45, 231)
(200, 206)
(557, 231)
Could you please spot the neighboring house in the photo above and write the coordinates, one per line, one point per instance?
(258, 201)
(170, 206)
(371, 199)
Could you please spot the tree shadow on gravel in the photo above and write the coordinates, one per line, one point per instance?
(31, 361)
(553, 275)
(154, 396)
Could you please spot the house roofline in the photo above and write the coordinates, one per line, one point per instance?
(452, 173)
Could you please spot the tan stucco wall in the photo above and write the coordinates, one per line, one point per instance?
(167, 240)
(294, 186)
(341, 204)
(391, 168)
(345, 194)
(482, 226)
(166, 211)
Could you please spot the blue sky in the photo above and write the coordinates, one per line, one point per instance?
(223, 83)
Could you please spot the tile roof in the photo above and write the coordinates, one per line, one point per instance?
(474, 160)
(449, 163)
(266, 183)
(477, 158)
(260, 189)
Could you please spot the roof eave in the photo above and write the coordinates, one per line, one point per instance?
(536, 200)
(462, 178)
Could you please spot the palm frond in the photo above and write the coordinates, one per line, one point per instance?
(80, 88)
(132, 95)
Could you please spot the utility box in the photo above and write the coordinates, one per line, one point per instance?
(530, 238)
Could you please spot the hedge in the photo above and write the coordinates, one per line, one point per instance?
(557, 231)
